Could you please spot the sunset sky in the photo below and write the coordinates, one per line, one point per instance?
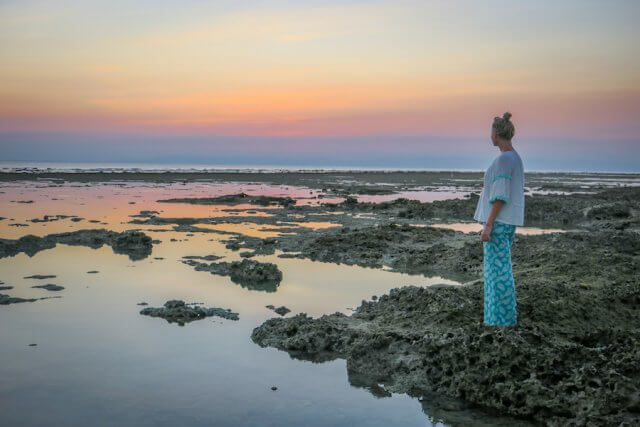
(394, 84)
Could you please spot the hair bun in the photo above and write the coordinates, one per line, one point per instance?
(506, 116)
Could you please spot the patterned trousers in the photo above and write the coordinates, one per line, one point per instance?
(499, 286)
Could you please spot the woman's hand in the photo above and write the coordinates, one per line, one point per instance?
(485, 236)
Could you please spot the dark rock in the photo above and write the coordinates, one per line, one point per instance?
(135, 244)
(51, 218)
(41, 276)
(205, 257)
(282, 310)
(181, 313)
(6, 299)
(145, 214)
(247, 273)
(234, 199)
(50, 287)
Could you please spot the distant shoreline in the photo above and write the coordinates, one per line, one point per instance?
(9, 167)
(125, 171)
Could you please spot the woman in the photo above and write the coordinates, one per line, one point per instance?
(500, 209)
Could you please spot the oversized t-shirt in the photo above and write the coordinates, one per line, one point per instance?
(504, 180)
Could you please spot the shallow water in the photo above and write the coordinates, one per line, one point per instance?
(474, 227)
(99, 362)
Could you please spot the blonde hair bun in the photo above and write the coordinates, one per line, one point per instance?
(504, 127)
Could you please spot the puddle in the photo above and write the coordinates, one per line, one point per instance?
(473, 227)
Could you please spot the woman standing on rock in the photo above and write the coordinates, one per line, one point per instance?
(500, 209)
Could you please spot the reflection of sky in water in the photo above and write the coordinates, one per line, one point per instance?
(98, 362)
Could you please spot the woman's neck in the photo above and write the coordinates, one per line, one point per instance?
(505, 146)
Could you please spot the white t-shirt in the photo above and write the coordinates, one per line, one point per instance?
(504, 180)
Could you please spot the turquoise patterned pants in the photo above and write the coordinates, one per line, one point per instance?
(499, 286)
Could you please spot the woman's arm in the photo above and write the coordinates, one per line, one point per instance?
(495, 210)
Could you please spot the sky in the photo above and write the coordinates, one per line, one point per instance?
(398, 84)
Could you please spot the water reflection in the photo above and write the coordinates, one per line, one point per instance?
(98, 361)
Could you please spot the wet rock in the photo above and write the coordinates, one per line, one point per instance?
(6, 299)
(425, 250)
(145, 214)
(41, 276)
(181, 313)
(251, 274)
(616, 210)
(205, 257)
(142, 303)
(51, 218)
(135, 244)
(282, 310)
(235, 199)
(5, 288)
(50, 287)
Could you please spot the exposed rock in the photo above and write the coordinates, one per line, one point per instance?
(5, 288)
(93, 272)
(251, 274)
(51, 218)
(50, 287)
(135, 244)
(235, 199)
(181, 313)
(6, 299)
(41, 276)
(145, 214)
(205, 257)
(282, 310)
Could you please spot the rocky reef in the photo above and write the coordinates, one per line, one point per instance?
(235, 199)
(573, 359)
(282, 310)
(250, 274)
(50, 287)
(6, 299)
(135, 244)
(179, 312)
